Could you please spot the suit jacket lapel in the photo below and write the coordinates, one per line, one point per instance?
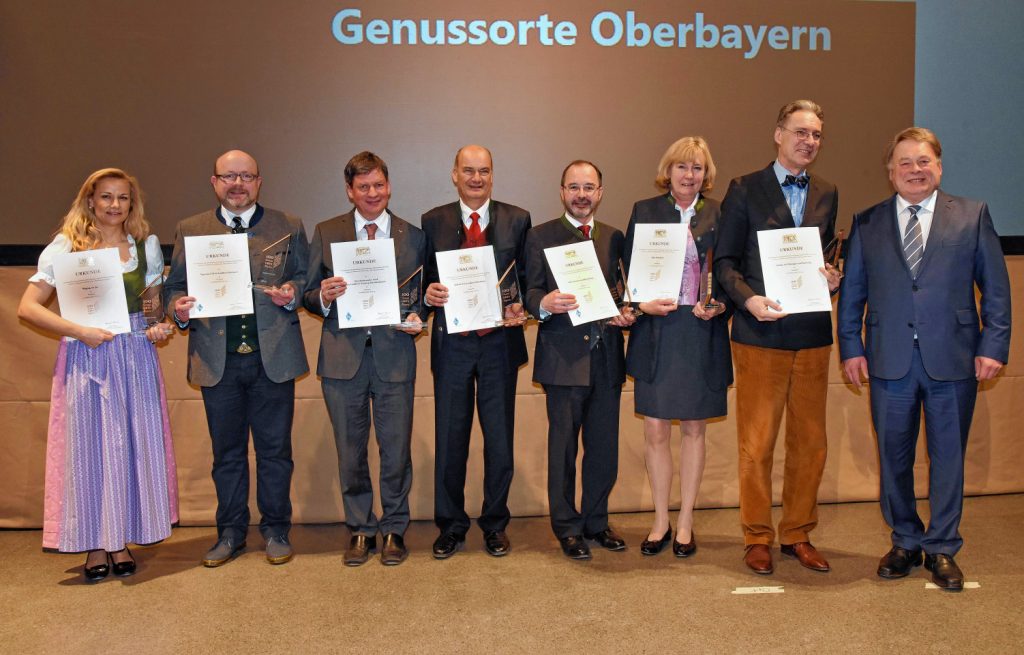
(940, 225)
(814, 194)
(891, 226)
(776, 201)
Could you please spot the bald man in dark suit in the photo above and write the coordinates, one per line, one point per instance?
(480, 365)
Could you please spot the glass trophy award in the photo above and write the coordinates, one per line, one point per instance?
(275, 257)
(151, 300)
(620, 291)
(510, 299)
(707, 282)
(834, 250)
(410, 290)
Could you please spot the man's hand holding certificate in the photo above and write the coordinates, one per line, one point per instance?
(472, 281)
(218, 273)
(792, 265)
(578, 273)
(371, 283)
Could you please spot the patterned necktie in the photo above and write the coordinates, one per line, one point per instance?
(799, 181)
(236, 225)
(371, 231)
(913, 244)
(474, 235)
(585, 230)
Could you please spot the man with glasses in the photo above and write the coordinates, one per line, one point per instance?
(582, 368)
(781, 361)
(481, 365)
(368, 371)
(915, 260)
(246, 365)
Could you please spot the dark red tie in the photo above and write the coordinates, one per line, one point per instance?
(371, 231)
(585, 229)
(474, 235)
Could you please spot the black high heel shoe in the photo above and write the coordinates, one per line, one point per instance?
(96, 572)
(653, 547)
(125, 568)
(678, 549)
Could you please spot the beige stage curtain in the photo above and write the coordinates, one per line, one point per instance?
(995, 453)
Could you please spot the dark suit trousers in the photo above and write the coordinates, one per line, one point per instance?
(473, 365)
(246, 399)
(896, 412)
(595, 410)
(349, 406)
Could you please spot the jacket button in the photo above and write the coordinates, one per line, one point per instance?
(910, 325)
(914, 287)
(586, 337)
(220, 333)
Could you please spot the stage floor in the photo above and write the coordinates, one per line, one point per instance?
(532, 601)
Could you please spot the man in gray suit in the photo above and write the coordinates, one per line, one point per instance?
(915, 260)
(246, 365)
(364, 364)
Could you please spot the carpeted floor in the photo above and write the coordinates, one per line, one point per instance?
(532, 601)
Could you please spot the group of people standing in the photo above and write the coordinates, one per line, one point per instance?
(914, 261)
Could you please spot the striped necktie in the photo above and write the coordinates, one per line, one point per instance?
(913, 244)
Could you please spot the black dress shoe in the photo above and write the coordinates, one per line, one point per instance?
(608, 539)
(655, 546)
(126, 567)
(898, 562)
(687, 549)
(574, 547)
(97, 572)
(394, 551)
(359, 549)
(945, 573)
(496, 543)
(447, 544)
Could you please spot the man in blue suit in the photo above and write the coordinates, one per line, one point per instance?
(914, 260)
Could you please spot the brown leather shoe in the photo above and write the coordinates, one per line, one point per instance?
(759, 559)
(808, 555)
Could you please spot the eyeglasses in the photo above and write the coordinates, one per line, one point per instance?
(587, 189)
(229, 178)
(803, 134)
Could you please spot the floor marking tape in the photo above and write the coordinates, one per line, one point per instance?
(967, 585)
(758, 590)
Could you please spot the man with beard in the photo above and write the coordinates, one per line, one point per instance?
(246, 365)
(581, 368)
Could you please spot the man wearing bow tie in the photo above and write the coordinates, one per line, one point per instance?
(781, 361)
(246, 365)
(915, 260)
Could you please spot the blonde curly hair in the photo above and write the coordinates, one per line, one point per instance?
(79, 224)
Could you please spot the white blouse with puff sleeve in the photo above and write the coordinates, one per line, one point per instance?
(61, 245)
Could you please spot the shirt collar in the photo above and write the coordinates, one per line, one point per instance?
(690, 210)
(383, 223)
(927, 205)
(484, 213)
(246, 216)
(781, 172)
(576, 224)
